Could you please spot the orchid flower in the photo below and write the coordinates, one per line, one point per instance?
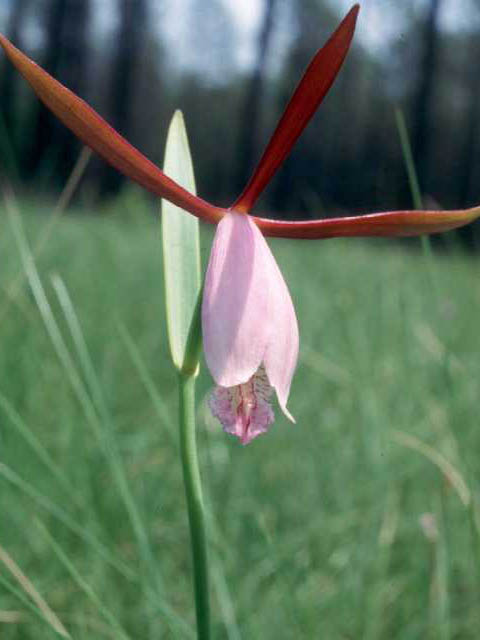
(250, 331)
(249, 325)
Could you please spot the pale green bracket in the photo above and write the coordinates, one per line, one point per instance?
(181, 256)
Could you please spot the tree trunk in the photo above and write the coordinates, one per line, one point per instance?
(469, 167)
(65, 58)
(250, 119)
(422, 103)
(9, 142)
(312, 23)
(9, 74)
(132, 32)
(73, 73)
(43, 122)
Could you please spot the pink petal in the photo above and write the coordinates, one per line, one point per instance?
(236, 303)
(282, 352)
(247, 316)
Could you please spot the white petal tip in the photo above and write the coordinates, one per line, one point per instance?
(287, 413)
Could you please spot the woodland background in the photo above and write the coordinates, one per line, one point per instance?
(135, 61)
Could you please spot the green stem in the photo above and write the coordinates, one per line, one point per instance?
(196, 512)
(408, 159)
(415, 192)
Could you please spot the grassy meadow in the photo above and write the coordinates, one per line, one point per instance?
(358, 522)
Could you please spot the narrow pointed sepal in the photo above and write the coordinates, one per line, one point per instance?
(385, 224)
(87, 125)
(314, 85)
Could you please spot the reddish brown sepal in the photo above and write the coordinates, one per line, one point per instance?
(102, 138)
(317, 80)
(390, 223)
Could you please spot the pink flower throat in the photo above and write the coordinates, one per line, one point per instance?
(244, 410)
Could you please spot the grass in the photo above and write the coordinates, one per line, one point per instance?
(315, 528)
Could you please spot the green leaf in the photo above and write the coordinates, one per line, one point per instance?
(181, 256)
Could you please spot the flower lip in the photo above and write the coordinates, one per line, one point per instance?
(245, 410)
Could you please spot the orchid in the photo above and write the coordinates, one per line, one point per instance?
(250, 331)
(249, 324)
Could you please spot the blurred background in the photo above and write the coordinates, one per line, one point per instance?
(362, 521)
(231, 68)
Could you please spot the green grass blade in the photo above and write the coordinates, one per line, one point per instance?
(29, 588)
(100, 424)
(97, 395)
(90, 407)
(181, 253)
(171, 617)
(102, 429)
(408, 159)
(415, 189)
(62, 516)
(47, 315)
(148, 382)
(225, 599)
(84, 586)
(35, 444)
(16, 285)
(21, 597)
